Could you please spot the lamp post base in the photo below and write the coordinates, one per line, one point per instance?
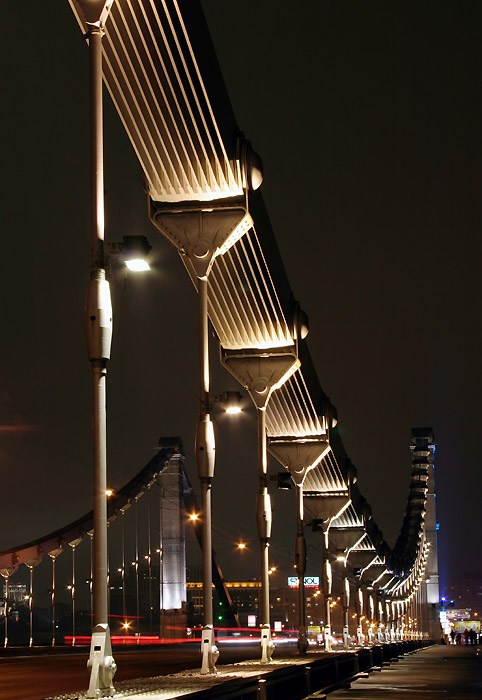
(267, 644)
(302, 642)
(101, 664)
(346, 637)
(328, 640)
(209, 651)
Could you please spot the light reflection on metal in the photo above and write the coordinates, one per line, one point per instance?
(242, 228)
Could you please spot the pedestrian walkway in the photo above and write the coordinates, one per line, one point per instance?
(228, 680)
(448, 672)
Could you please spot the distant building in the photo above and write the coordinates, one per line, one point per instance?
(245, 600)
(17, 592)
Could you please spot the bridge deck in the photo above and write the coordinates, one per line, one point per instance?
(454, 671)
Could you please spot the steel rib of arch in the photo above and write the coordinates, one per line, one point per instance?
(349, 518)
(154, 80)
(291, 410)
(243, 304)
(326, 477)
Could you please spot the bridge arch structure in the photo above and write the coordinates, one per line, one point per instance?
(203, 179)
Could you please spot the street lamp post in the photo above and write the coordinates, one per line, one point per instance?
(263, 518)
(346, 605)
(300, 554)
(327, 588)
(205, 463)
(99, 334)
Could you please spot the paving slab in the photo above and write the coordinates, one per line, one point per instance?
(177, 685)
(439, 672)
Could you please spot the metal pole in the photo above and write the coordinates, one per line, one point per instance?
(100, 485)
(53, 557)
(359, 613)
(137, 573)
(346, 605)
(91, 590)
(108, 573)
(99, 333)
(161, 563)
(123, 573)
(72, 590)
(327, 583)
(205, 464)
(149, 554)
(263, 513)
(30, 605)
(5, 640)
(300, 554)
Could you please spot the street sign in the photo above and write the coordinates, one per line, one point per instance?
(309, 581)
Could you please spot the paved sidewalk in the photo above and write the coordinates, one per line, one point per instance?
(436, 673)
(177, 685)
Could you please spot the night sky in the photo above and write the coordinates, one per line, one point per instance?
(368, 118)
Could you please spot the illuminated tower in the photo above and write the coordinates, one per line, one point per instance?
(172, 544)
(423, 449)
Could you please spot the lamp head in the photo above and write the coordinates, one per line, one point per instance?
(135, 250)
(230, 401)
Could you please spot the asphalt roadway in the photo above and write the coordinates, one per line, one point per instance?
(448, 672)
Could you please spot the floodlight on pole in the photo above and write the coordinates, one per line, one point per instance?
(230, 401)
(133, 250)
(137, 265)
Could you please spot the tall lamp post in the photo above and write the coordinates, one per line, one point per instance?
(92, 15)
(201, 234)
(205, 463)
(299, 456)
(98, 319)
(263, 518)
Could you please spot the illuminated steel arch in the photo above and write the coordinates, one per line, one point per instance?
(202, 178)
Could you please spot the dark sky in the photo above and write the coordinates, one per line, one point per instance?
(368, 118)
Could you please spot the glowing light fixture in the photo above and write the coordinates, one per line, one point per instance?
(137, 265)
(230, 401)
(134, 251)
(232, 410)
